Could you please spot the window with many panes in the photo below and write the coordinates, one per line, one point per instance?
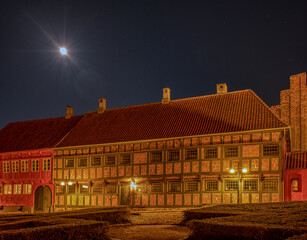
(70, 162)
(84, 188)
(71, 189)
(96, 161)
(125, 159)
(27, 188)
(24, 165)
(174, 186)
(156, 156)
(211, 153)
(6, 167)
(60, 189)
(110, 160)
(17, 188)
(231, 185)
(270, 150)
(141, 187)
(211, 185)
(231, 152)
(111, 188)
(270, 184)
(7, 189)
(82, 162)
(191, 186)
(46, 165)
(157, 187)
(97, 188)
(191, 154)
(173, 155)
(15, 166)
(250, 185)
(35, 165)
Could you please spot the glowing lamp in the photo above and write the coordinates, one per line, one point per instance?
(69, 183)
(62, 183)
(63, 51)
(133, 185)
(244, 170)
(232, 170)
(84, 186)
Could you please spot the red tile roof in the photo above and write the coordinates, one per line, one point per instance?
(296, 160)
(35, 134)
(219, 113)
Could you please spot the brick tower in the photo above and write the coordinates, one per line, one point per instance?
(293, 111)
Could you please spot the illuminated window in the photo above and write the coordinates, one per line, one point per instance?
(8, 189)
(191, 154)
(191, 186)
(97, 188)
(231, 185)
(157, 187)
(295, 185)
(27, 188)
(250, 185)
(174, 187)
(270, 184)
(35, 165)
(6, 167)
(17, 188)
(15, 166)
(82, 162)
(211, 185)
(231, 152)
(173, 155)
(70, 162)
(24, 166)
(60, 189)
(141, 187)
(71, 189)
(156, 156)
(211, 153)
(84, 188)
(96, 161)
(110, 160)
(270, 150)
(125, 159)
(46, 165)
(111, 188)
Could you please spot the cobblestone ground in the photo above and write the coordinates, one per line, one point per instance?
(151, 225)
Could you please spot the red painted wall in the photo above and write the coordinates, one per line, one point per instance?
(39, 178)
(301, 193)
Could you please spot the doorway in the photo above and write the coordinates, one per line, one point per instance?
(125, 194)
(42, 201)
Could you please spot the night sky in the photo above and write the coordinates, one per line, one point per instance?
(127, 51)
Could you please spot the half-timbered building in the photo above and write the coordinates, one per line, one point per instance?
(173, 153)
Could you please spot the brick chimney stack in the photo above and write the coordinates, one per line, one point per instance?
(221, 88)
(166, 96)
(69, 112)
(102, 105)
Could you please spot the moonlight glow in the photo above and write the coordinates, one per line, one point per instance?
(63, 51)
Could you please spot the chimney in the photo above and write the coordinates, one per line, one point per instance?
(221, 88)
(166, 95)
(102, 105)
(69, 112)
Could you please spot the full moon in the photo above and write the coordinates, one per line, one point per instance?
(63, 51)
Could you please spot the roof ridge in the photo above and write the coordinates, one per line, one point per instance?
(177, 100)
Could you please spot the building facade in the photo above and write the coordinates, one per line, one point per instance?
(177, 154)
(26, 159)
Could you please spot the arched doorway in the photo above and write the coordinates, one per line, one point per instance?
(42, 202)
